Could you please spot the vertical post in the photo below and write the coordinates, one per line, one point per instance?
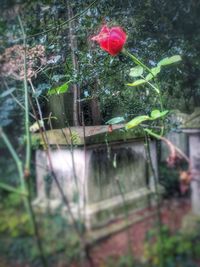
(73, 46)
(194, 148)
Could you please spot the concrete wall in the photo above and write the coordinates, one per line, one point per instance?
(98, 180)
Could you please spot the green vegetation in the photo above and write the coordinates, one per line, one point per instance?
(178, 249)
(53, 76)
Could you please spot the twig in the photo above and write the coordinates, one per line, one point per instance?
(28, 140)
(16, 100)
(64, 198)
(169, 144)
(36, 99)
(62, 24)
(16, 159)
(85, 157)
(28, 152)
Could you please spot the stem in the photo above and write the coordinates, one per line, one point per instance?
(28, 140)
(85, 157)
(9, 188)
(43, 134)
(169, 144)
(19, 168)
(36, 99)
(60, 189)
(28, 153)
(37, 235)
(15, 158)
(73, 46)
(155, 178)
(26, 195)
(21, 105)
(16, 100)
(137, 61)
(156, 88)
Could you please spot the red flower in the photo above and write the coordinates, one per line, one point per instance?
(111, 40)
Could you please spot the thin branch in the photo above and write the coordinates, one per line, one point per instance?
(60, 189)
(16, 100)
(15, 158)
(64, 23)
(28, 140)
(73, 46)
(28, 152)
(36, 99)
(21, 105)
(169, 144)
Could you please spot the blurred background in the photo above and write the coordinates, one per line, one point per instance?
(77, 188)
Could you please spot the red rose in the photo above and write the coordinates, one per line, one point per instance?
(111, 40)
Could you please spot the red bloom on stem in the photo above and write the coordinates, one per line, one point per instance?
(111, 40)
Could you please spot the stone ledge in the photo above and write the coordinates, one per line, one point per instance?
(187, 121)
(102, 213)
(98, 235)
(88, 135)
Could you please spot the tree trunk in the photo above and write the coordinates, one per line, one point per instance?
(75, 87)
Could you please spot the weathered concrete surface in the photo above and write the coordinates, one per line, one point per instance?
(194, 148)
(97, 180)
(179, 139)
(190, 126)
(187, 121)
(88, 135)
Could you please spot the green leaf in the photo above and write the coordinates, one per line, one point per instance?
(154, 73)
(169, 60)
(136, 71)
(7, 92)
(136, 121)
(136, 83)
(155, 114)
(155, 70)
(60, 89)
(163, 113)
(150, 76)
(115, 120)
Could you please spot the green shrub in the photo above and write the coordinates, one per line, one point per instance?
(167, 250)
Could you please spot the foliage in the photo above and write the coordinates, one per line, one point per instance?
(14, 221)
(177, 249)
(16, 235)
(154, 34)
(157, 27)
(60, 89)
(126, 260)
(115, 120)
(138, 71)
(155, 114)
(169, 178)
